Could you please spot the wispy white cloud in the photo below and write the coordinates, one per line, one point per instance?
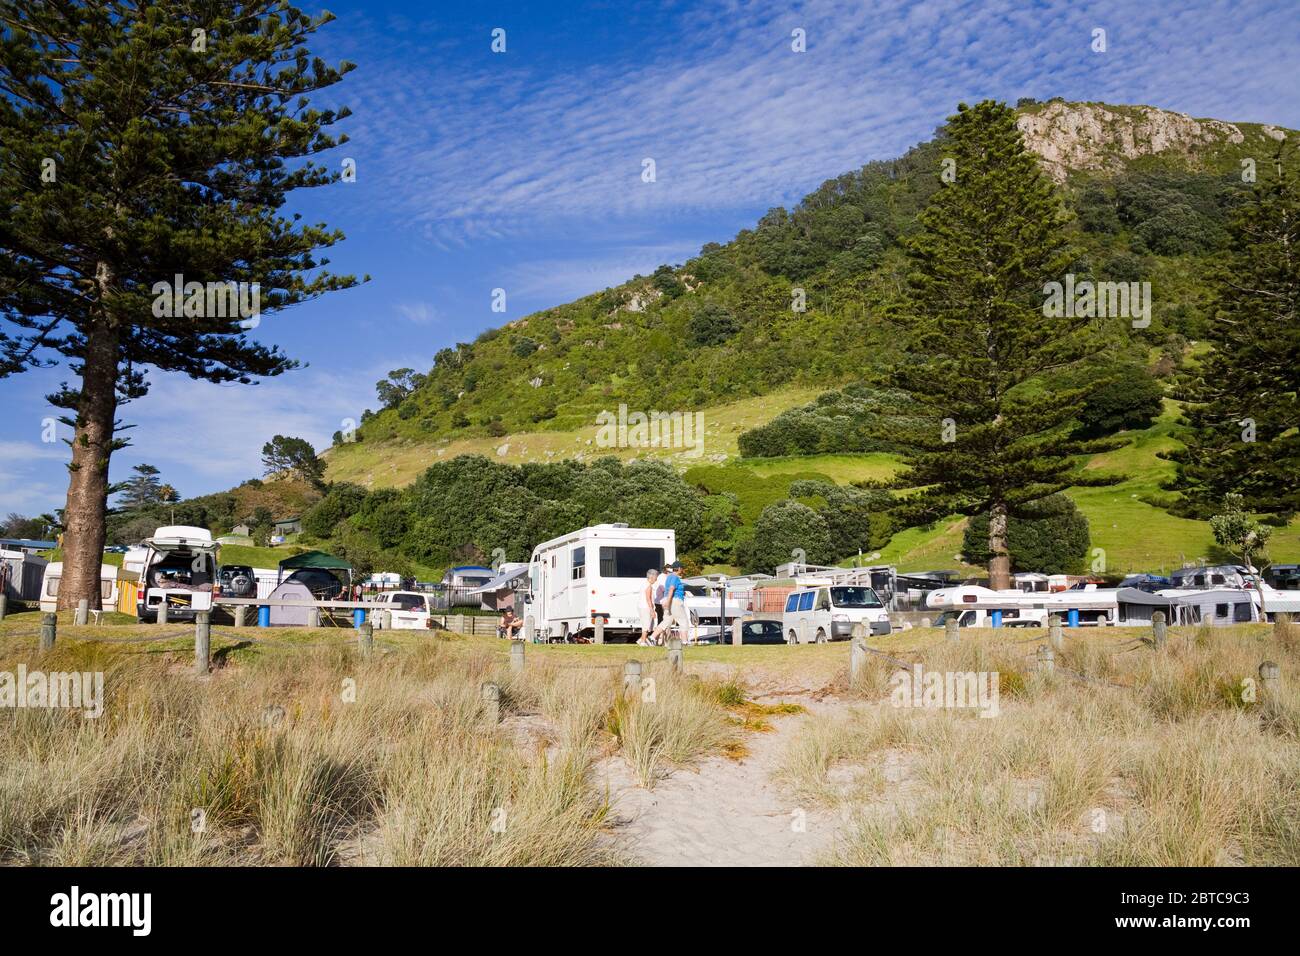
(421, 313)
(733, 117)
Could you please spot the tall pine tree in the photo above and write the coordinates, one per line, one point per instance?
(139, 143)
(1243, 398)
(995, 431)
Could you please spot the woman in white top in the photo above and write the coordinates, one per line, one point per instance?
(648, 619)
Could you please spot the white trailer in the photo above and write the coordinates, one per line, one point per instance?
(595, 573)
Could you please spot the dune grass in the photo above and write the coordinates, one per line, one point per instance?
(302, 752)
(1125, 755)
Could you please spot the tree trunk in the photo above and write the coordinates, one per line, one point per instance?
(92, 444)
(999, 556)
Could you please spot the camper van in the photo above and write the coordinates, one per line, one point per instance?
(595, 573)
(107, 586)
(820, 612)
(180, 568)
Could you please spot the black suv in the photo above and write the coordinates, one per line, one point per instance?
(237, 580)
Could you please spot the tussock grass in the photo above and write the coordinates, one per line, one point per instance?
(681, 723)
(316, 757)
(1125, 756)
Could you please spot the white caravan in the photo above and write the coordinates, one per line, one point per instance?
(180, 567)
(817, 612)
(597, 572)
(21, 574)
(1091, 606)
(107, 587)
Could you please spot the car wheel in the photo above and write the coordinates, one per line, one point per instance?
(821, 636)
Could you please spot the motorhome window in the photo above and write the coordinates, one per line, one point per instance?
(1218, 579)
(1220, 610)
(619, 562)
(806, 601)
(52, 587)
(1199, 580)
(791, 603)
(1241, 612)
(967, 618)
(855, 596)
(105, 588)
(579, 563)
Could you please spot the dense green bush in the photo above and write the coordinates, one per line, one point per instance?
(1131, 399)
(785, 530)
(1050, 536)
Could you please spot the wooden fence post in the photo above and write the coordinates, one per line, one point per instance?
(366, 638)
(162, 610)
(950, 628)
(857, 657)
(491, 695)
(202, 641)
(1270, 675)
(49, 625)
(1158, 628)
(241, 611)
(1054, 631)
(517, 656)
(4, 604)
(632, 678)
(737, 632)
(598, 632)
(82, 616)
(1046, 659)
(313, 617)
(675, 654)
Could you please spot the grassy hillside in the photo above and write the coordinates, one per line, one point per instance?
(1151, 191)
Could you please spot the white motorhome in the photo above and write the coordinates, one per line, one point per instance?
(817, 612)
(711, 613)
(179, 568)
(107, 586)
(597, 572)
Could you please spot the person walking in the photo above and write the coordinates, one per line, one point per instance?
(649, 619)
(675, 615)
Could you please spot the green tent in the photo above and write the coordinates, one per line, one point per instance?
(314, 559)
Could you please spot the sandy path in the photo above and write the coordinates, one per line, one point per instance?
(722, 812)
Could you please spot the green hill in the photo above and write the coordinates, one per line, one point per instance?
(1152, 192)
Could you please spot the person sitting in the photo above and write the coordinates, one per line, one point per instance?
(510, 625)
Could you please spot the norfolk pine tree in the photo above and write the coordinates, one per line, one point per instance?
(994, 432)
(139, 142)
(1243, 397)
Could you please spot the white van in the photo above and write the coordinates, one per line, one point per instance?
(180, 567)
(817, 613)
(596, 572)
(407, 610)
(107, 586)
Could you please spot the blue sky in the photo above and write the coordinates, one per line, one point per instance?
(522, 170)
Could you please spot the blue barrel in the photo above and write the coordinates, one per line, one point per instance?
(358, 617)
(997, 618)
(1074, 617)
(263, 615)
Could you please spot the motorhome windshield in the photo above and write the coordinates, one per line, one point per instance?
(854, 597)
(620, 562)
